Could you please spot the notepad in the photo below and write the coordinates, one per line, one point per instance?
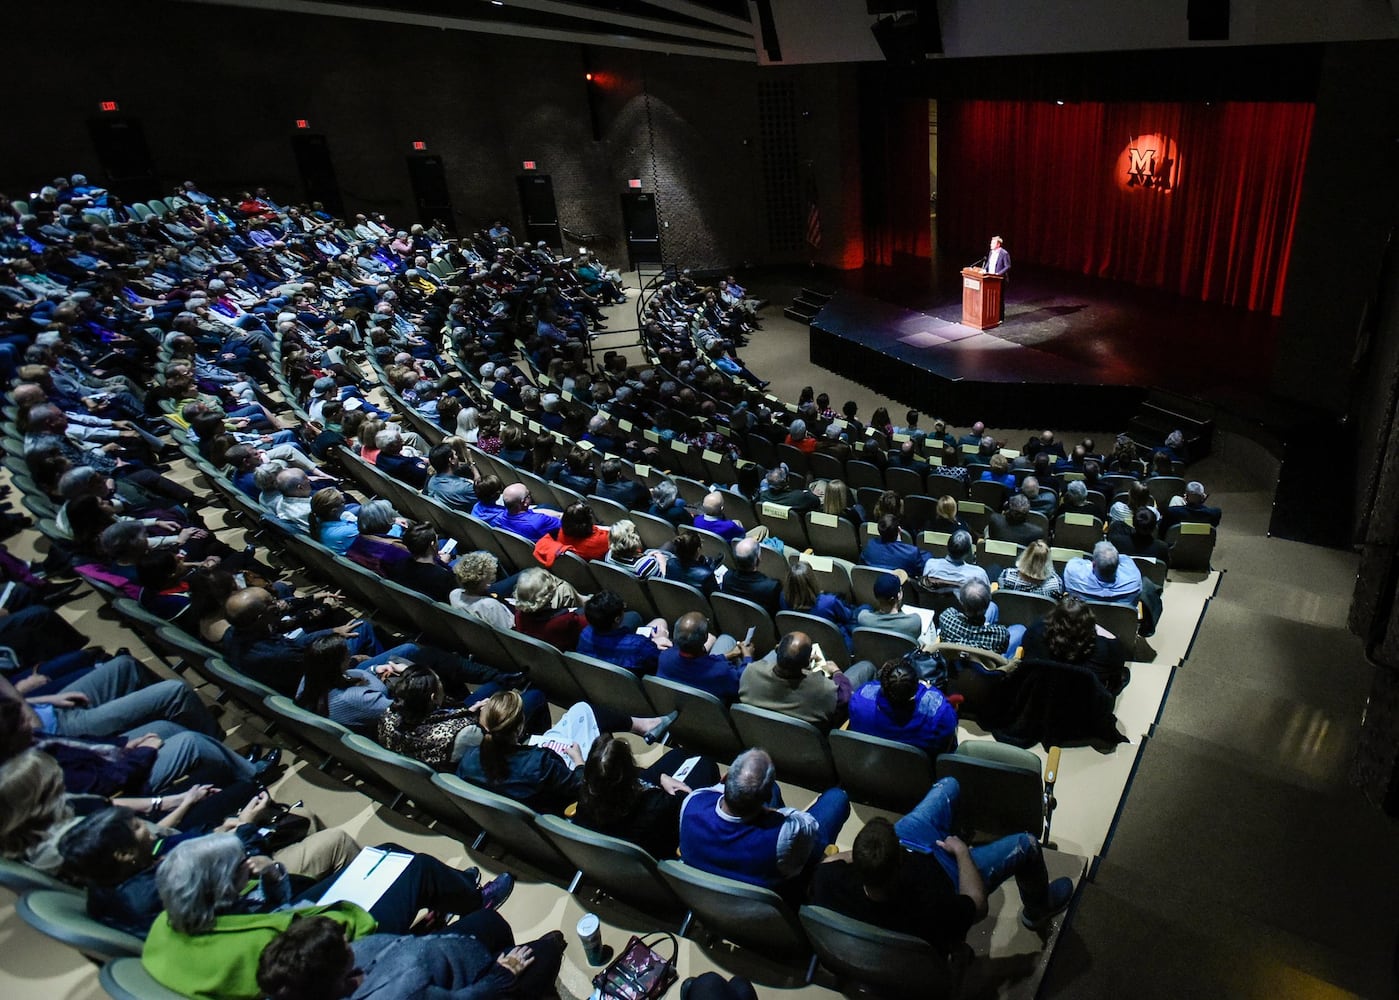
(367, 878)
(683, 771)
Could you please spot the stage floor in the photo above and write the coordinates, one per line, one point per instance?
(1060, 329)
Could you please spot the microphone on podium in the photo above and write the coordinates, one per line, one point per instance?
(981, 262)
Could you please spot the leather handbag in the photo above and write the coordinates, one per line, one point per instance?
(639, 972)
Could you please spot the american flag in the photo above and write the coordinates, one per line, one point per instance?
(813, 217)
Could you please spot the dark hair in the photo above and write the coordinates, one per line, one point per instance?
(502, 720)
(578, 521)
(1070, 633)
(415, 696)
(898, 682)
(800, 590)
(323, 665)
(88, 517)
(208, 591)
(419, 538)
(1144, 523)
(307, 961)
(14, 737)
(603, 609)
(888, 527)
(1138, 495)
(157, 568)
(610, 783)
(89, 849)
(440, 457)
(489, 488)
(687, 547)
(876, 854)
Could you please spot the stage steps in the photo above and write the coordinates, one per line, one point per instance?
(1162, 412)
(806, 305)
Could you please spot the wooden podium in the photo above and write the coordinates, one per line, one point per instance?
(981, 298)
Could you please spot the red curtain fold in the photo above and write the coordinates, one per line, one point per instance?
(1047, 178)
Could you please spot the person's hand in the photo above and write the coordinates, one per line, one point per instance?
(347, 631)
(674, 787)
(191, 795)
(257, 808)
(576, 752)
(953, 845)
(64, 699)
(257, 864)
(171, 526)
(148, 740)
(31, 683)
(112, 448)
(193, 533)
(740, 651)
(517, 959)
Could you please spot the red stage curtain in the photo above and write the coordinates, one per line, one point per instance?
(1046, 177)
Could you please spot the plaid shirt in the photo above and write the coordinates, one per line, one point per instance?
(954, 627)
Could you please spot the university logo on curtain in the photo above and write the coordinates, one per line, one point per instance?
(1149, 163)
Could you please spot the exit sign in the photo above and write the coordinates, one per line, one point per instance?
(107, 105)
(302, 123)
(634, 182)
(529, 165)
(419, 144)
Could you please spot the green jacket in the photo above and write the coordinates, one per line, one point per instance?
(222, 964)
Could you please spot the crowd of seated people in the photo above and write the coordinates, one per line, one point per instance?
(122, 325)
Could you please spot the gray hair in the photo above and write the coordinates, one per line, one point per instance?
(1175, 439)
(81, 481)
(386, 437)
(199, 880)
(663, 494)
(1105, 561)
(797, 428)
(376, 517)
(1077, 490)
(124, 540)
(975, 598)
(745, 554)
(749, 782)
(959, 546)
(265, 475)
(1194, 488)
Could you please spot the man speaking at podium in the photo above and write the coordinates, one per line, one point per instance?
(998, 262)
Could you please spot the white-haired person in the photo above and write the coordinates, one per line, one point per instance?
(223, 907)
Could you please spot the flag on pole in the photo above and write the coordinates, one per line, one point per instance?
(813, 216)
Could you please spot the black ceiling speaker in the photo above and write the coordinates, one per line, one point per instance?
(1208, 20)
(911, 36)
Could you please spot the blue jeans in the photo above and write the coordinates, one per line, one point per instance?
(830, 810)
(1018, 854)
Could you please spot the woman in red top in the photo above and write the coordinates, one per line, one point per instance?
(579, 533)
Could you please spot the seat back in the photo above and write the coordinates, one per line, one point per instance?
(625, 583)
(890, 963)
(546, 667)
(1192, 545)
(703, 724)
(607, 684)
(1077, 531)
(20, 878)
(655, 532)
(881, 644)
(975, 514)
(1119, 619)
(981, 687)
(747, 915)
(903, 481)
(510, 823)
(127, 979)
(308, 728)
(785, 523)
(940, 485)
(404, 776)
(832, 536)
(618, 867)
(989, 492)
(63, 917)
(674, 598)
(736, 615)
(821, 631)
(1164, 488)
(574, 570)
(832, 575)
(860, 474)
(1002, 792)
(519, 551)
(1017, 607)
(881, 772)
(797, 748)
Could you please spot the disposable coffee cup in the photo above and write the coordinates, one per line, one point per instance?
(590, 934)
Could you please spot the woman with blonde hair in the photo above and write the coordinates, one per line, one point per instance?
(543, 771)
(547, 609)
(34, 810)
(468, 424)
(1033, 573)
(625, 550)
(1000, 472)
(837, 501)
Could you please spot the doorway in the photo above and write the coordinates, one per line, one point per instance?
(643, 231)
(430, 196)
(312, 154)
(540, 212)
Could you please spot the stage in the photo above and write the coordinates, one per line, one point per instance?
(1073, 351)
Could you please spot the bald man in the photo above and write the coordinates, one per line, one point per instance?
(745, 581)
(522, 518)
